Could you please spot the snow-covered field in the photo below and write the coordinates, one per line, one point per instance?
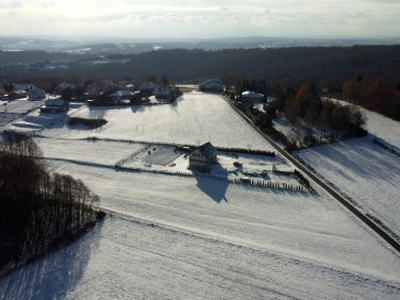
(19, 106)
(363, 170)
(196, 238)
(194, 120)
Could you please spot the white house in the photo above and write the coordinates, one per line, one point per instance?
(203, 156)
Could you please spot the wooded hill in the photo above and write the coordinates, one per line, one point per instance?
(328, 66)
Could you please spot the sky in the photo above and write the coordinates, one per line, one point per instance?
(201, 18)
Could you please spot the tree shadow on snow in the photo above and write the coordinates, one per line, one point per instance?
(54, 275)
(214, 184)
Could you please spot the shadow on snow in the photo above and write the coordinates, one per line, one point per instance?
(215, 186)
(54, 275)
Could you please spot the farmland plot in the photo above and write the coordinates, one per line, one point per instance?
(364, 171)
(192, 119)
(261, 218)
(124, 259)
(20, 106)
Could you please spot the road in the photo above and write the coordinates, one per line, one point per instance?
(375, 227)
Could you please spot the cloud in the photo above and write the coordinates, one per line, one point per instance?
(202, 18)
(11, 4)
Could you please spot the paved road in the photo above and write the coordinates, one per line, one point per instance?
(375, 227)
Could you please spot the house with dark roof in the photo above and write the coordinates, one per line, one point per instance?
(203, 156)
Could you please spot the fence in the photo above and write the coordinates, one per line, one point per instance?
(256, 182)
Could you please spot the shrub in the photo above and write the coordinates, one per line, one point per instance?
(91, 123)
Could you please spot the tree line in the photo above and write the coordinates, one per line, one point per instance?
(315, 120)
(375, 95)
(39, 211)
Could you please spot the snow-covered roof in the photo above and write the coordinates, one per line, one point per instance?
(212, 81)
(162, 91)
(19, 92)
(107, 82)
(25, 87)
(148, 86)
(64, 86)
(37, 93)
(55, 103)
(252, 95)
(122, 93)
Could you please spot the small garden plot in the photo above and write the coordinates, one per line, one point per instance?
(161, 155)
(232, 167)
(261, 169)
(155, 158)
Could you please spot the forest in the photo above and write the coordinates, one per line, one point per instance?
(375, 95)
(39, 211)
(327, 66)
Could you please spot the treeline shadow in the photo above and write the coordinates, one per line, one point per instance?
(52, 276)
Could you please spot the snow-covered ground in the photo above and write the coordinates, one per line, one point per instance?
(195, 119)
(19, 106)
(364, 171)
(192, 237)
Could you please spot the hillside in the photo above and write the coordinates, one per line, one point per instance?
(365, 171)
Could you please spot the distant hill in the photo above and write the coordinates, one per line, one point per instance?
(294, 65)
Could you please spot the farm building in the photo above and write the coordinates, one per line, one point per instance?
(54, 106)
(203, 156)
